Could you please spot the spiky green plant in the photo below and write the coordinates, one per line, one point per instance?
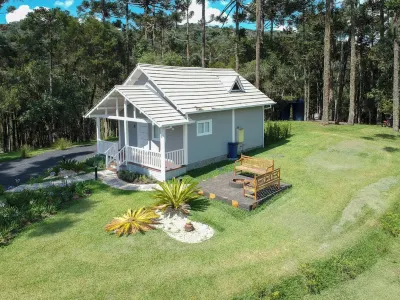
(176, 194)
(132, 221)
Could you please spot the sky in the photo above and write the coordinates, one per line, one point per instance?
(26, 6)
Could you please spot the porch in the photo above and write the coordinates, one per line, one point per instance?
(143, 161)
(152, 136)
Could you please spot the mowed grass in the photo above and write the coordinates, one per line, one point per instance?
(69, 256)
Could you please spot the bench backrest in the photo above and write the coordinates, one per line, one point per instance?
(267, 179)
(259, 163)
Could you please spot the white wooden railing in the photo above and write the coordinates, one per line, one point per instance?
(147, 158)
(143, 157)
(112, 154)
(103, 146)
(177, 157)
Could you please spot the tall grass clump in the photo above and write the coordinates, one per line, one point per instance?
(275, 131)
(62, 144)
(25, 151)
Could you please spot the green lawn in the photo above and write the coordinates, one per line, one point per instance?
(343, 179)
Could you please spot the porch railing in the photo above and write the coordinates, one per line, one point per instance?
(143, 157)
(112, 154)
(152, 159)
(176, 157)
(103, 146)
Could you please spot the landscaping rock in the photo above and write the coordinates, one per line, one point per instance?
(173, 224)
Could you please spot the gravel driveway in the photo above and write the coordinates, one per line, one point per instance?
(25, 168)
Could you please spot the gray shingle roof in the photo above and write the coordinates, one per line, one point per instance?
(198, 89)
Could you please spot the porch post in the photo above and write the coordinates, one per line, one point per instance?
(162, 152)
(126, 122)
(185, 145)
(233, 127)
(97, 133)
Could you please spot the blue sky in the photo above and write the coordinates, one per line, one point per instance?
(25, 6)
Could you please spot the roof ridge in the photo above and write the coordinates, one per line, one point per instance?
(183, 67)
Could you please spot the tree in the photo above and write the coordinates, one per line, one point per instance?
(258, 41)
(203, 31)
(327, 61)
(394, 6)
(239, 15)
(353, 62)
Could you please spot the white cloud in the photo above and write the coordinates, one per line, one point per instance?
(196, 8)
(18, 14)
(65, 4)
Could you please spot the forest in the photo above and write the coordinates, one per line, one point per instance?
(341, 58)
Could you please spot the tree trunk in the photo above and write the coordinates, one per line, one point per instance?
(305, 95)
(203, 38)
(342, 76)
(237, 37)
(353, 62)
(327, 59)
(187, 36)
(103, 11)
(395, 73)
(127, 36)
(258, 41)
(382, 20)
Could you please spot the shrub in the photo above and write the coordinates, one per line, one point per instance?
(25, 151)
(141, 220)
(133, 177)
(176, 194)
(1, 189)
(20, 209)
(97, 160)
(72, 164)
(275, 131)
(62, 144)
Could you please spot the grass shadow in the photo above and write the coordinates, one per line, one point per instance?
(51, 227)
(368, 138)
(200, 204)
(386, 136)
(220, 167)
(267, 147)
(391, 149)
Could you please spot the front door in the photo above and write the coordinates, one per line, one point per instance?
(143, 135)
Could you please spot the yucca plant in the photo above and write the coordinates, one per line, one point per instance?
(132, 221)
(176, 194)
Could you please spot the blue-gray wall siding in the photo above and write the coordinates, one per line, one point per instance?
(216, 144)
(252, 121)
(173, 141)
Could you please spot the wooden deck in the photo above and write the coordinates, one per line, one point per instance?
(218, 188)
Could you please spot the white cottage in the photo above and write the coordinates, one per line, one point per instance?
(173, 119)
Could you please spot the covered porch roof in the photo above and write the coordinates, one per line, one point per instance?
(142, 97)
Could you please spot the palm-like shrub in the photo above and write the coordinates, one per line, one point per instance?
(176, 194)
(141, 220)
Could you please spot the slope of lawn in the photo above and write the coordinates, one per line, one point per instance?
(343, 179)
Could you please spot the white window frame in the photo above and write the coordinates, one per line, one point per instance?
(204, 122)
(153, 136)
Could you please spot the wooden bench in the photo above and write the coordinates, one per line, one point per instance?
(260, 182)
(253, 165)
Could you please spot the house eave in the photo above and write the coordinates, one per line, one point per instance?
(227, 108)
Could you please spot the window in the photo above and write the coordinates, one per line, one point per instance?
(237, 87)
(204, 127)
(156, 133)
